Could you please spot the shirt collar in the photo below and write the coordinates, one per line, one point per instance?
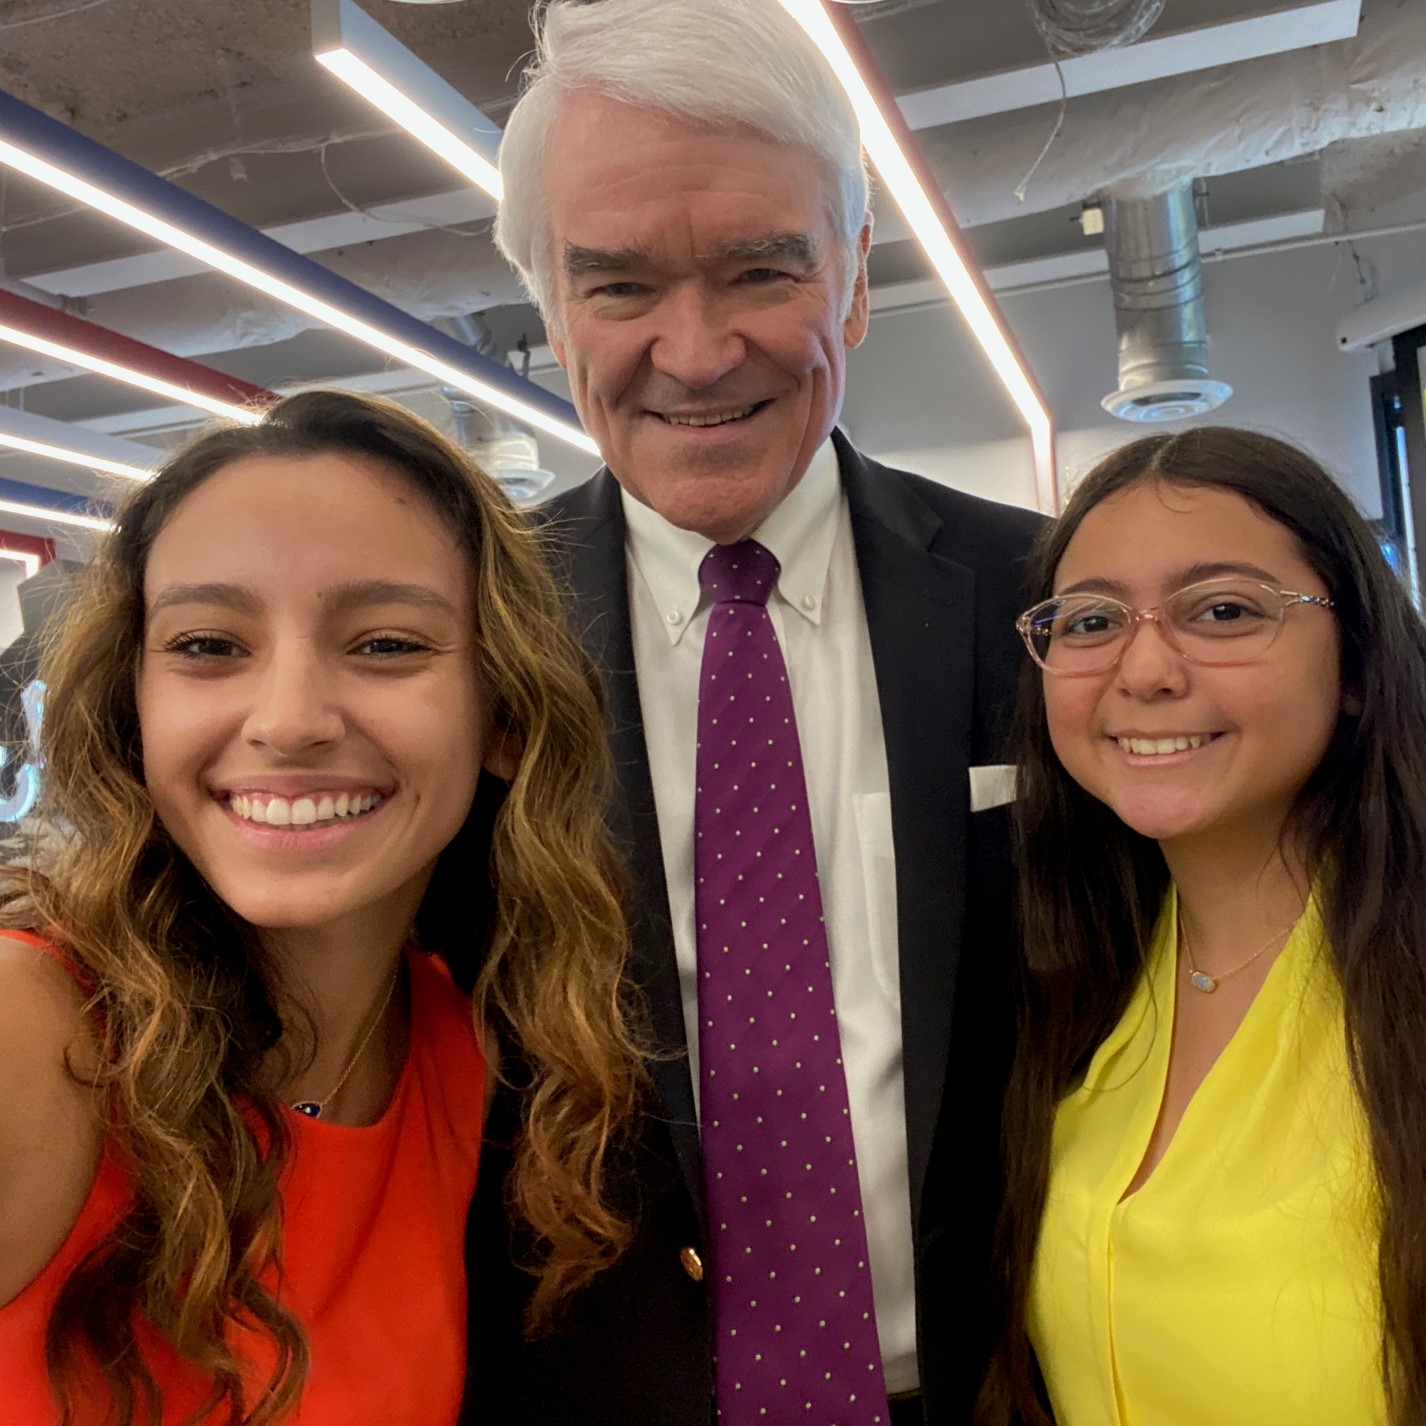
(800, 533)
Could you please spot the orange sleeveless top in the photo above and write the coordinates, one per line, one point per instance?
(373, 1248)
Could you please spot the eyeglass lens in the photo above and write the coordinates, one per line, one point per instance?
(1224, 621)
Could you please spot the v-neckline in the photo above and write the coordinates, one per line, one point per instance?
(1163, 990)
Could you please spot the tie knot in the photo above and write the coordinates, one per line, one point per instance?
(744, 572)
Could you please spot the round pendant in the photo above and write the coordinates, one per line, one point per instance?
(308, 1107)
(1197, 980)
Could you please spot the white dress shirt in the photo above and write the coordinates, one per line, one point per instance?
(820, 621)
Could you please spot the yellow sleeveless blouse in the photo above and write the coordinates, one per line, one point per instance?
(1237, 1287)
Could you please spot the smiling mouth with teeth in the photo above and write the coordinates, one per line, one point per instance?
(321, 810)
(1157, 747)
(721, 418)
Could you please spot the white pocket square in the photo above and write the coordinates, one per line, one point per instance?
(992, 785)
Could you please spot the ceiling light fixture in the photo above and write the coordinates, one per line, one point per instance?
(53, 154)
(893, 151)
(33, 435)
(71, 457)
(50, 507)
(28, 562)
(378, 67)
(35, 327)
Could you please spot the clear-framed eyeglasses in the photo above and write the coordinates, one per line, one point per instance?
(1216, 622)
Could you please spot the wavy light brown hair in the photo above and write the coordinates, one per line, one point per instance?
(1091, 890)
(525, 905)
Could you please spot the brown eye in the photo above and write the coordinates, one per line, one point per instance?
(203, 646)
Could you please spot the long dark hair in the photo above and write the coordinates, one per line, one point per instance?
(525, 904)
(1091, 889)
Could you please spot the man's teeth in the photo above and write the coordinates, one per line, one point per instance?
(717, 420)
(302, 811)
(1151, 747)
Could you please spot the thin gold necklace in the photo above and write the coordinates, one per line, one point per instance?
(1201, 980)
(313, 1108)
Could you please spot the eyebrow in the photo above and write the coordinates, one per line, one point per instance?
(579, 261)
(1193, 574)
(353, 594)
(217, 595)
(798, 248)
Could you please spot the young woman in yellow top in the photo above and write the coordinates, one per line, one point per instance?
(1216, 1131)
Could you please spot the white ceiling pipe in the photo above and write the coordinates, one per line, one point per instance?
(1382, 318)
(1216, 121)
(1161, 53)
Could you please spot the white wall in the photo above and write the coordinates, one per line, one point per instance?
(12, 625)
(919, 395)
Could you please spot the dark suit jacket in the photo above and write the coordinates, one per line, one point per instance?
(941, 582)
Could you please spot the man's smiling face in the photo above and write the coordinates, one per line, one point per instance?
(699, 307)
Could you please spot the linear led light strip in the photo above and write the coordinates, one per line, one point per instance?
(63, 453)
(382, 71)
(901, 182)
(182, 395)
(175, 237)
(60, 517)
(30, 563)
(47, 513)
(354, 71)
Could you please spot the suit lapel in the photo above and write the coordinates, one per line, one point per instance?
(919, 610)
(591, 526)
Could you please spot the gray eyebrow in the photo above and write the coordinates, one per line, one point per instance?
(798, 248)
(578, 260)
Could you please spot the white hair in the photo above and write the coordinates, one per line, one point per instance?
(723, 63)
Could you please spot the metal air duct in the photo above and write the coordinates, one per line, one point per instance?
(506, 450)
(1157, 283)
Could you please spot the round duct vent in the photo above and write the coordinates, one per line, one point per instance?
(513, 462)
(1174, 400)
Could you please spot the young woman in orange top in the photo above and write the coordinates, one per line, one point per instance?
(319, 752)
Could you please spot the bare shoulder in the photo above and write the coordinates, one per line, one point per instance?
(51, 1129)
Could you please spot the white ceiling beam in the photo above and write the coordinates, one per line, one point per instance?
(1382, 318)
(82, 440)
(1094, 262)
(1155, 57)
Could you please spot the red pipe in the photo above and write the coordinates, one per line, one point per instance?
(76, 332)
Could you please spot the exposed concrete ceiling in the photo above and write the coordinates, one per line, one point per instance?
(1301, 116)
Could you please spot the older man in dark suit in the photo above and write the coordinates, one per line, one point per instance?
(807, 655)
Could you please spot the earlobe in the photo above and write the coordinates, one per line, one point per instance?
(503, 752)
(1352, 703)
(557, 347)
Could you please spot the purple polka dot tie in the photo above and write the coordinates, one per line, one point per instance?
(792, 1296)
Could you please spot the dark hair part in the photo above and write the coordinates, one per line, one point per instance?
(525, 904)
(1087, 916)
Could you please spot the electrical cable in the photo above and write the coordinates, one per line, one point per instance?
(1078, 27)
(1075, 27)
